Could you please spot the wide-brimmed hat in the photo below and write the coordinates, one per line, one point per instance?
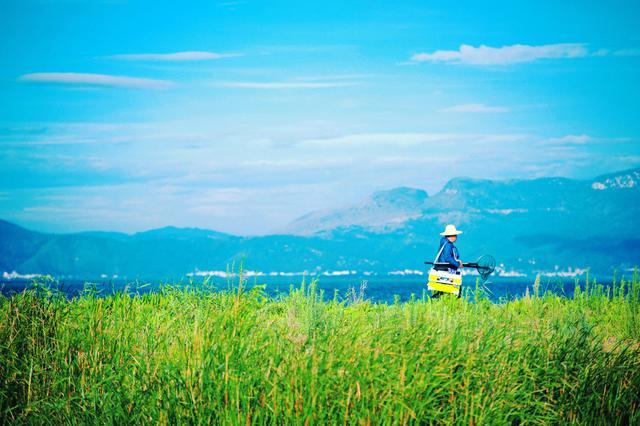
(450, 230)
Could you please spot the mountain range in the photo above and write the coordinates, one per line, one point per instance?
(544, 224)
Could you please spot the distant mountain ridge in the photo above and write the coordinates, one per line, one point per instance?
(544, 224)
(463, 199)
(383, 209)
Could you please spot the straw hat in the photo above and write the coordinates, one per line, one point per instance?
(450, 230)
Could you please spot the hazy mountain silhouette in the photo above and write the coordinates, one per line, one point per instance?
(528, 225)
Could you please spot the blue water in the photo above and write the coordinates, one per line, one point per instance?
(378, 289)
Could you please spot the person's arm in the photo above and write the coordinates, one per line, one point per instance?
(456, 256)
(448, 255)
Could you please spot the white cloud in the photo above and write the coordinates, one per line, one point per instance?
(505, 55)
(568, 140)
(176, 56)
(271, 85)
(104, 80)
(477, 108)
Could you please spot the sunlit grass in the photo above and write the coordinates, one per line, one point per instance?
(236, 356)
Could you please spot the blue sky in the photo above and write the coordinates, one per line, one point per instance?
(240, 115)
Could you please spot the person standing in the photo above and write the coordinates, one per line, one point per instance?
(448, 252)
(448, 258)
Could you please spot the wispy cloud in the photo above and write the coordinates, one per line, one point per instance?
(231, 4)
(283, 85)
(627, 52)
(103, 134)
(298, 164)
(208, 186)
(568, 140)
(474, 108)
(175, 56)
(333, 77)
(104, 80)
(505, 55)
(407, 139)
(304, 49)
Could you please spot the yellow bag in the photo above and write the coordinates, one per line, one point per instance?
(445, 281)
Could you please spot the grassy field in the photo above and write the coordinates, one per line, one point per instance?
(236, 356)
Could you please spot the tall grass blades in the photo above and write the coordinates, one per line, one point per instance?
(235, 356)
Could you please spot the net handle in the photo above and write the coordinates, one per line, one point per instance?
(475, 265)
(467, 265)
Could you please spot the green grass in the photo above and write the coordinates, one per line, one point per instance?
(231, 357)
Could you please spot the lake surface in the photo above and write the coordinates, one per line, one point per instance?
(375, 289)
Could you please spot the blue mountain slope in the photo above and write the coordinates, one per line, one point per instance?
(17, 245)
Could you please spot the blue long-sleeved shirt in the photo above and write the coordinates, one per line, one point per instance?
(449, 254)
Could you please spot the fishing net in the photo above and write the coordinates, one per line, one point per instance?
(486, 264)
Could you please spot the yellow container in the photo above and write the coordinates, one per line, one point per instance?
(445, 282)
